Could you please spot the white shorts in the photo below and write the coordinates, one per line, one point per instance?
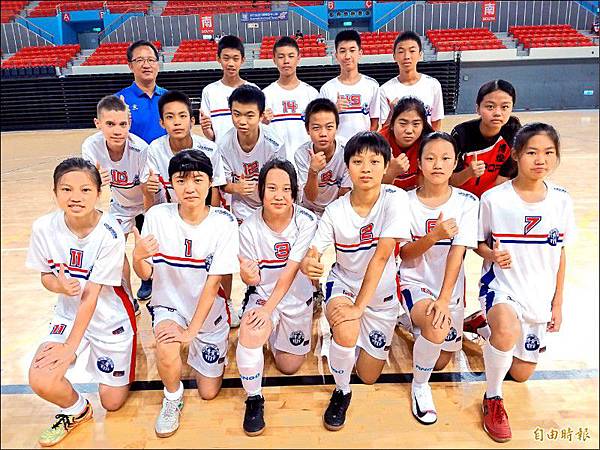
(533, 334)
(291, 332)
(207, 351)
(412, 294)
(110, 363)
(125, 216)
(376, 324)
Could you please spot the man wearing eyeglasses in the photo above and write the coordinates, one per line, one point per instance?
(143, 94)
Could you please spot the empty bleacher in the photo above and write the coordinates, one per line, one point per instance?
(446, 40)
(111, 53)
(378, 43)
(309, 47)
(195, 50)
(10, 10)
(56, 56)
(47, 8)
(534, 36)
(118, 6)
(182, 7)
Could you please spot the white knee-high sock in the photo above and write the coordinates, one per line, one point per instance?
(425, 355)
(497, 363)
(341, 361)
(250, 362)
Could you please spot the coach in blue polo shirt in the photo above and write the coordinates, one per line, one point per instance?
(143, 94)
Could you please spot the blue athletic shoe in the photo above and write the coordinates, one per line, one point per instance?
(145, 290)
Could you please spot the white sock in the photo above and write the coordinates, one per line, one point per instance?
(76, 408)
(341, 361)
(496, 364)
(485, 332)
(251, 363)
(425, 355)
(172, 396)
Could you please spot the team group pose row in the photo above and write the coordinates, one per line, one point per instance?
(298, 173)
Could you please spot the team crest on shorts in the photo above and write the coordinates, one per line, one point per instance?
(553, 236)
(208, 261)
(377, 338)
(296, 338)
(105, 364)
(532, 342)
(210, 353)
(451, 335)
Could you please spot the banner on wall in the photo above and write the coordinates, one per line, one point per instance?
(207, 25)
(488, 11)
(263, 16)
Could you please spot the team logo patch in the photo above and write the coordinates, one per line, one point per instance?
(347, 293)
(377, 338)
(105, 364)
(388, 298)
(208, 261)
(118, 373)
(210, 353)
(119, 330)
(553, 236)
(261, 302)
(427, 291)
(451, 335)
(296, 338)
(58, 328)
(532, 342)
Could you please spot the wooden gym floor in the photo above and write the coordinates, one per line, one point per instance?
(557, 408)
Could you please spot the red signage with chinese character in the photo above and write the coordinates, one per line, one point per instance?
(207, 25)
(368, 4)
(66, 17)
(331, 6)
(488, 11)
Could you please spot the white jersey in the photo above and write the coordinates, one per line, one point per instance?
(428, 269)
(187, 255)
(214, 103)
(363, 100)
(331, 178)
(355, 238)
(427, 89)
(288, 107)
(272, 250)
(97, 258)
(533, 234)
(237, 162)
(160, 154)
(125, 174)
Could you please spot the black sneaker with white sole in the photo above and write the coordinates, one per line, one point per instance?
(254, 418)
(335, 414)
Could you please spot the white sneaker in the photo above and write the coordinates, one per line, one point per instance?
(422, 404)
(167, 421)
(233, 314)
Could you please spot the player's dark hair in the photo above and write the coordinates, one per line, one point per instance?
(110, 103)
(367, 141)
(411, 104)
(230, 41)
(320, 105)
(438, 136)
(533, 129)
(408, 36)
(247, 94)
(190, 161)
(347, 35)
(77, 164)
(174, 96)
(140, 43)
(287, 167)
(496, 85)
(286, 41)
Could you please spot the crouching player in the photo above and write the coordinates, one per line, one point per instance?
(187, 247)
(443, 226)
(361, 290)
(80, 253)
(273, 241)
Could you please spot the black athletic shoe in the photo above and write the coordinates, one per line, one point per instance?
(254, 418)
(335, 414)
(145, 290)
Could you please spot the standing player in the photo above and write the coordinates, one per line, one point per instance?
(524, 225)
(180, 243)
(273, 241)
(356, 95)
(286, 98)
(322, 173)
(215, 115)
(120, 157)
(246, 148)
(484, 162)
(443, 225)
(361, 291)
(408, 126)
(79, 251)
(408, 51)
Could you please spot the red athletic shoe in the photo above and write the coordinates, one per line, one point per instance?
(495, 420)
(474, 321)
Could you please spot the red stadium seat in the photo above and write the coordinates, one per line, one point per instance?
(111, 53)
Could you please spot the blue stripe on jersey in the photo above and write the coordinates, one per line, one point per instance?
(72, 274)
(280, 266)
(174, 264)
(443, 243)
(287, 118)
(505, 241)
(221, 114)
(407, 298)
(357, 249)
(358, 111)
